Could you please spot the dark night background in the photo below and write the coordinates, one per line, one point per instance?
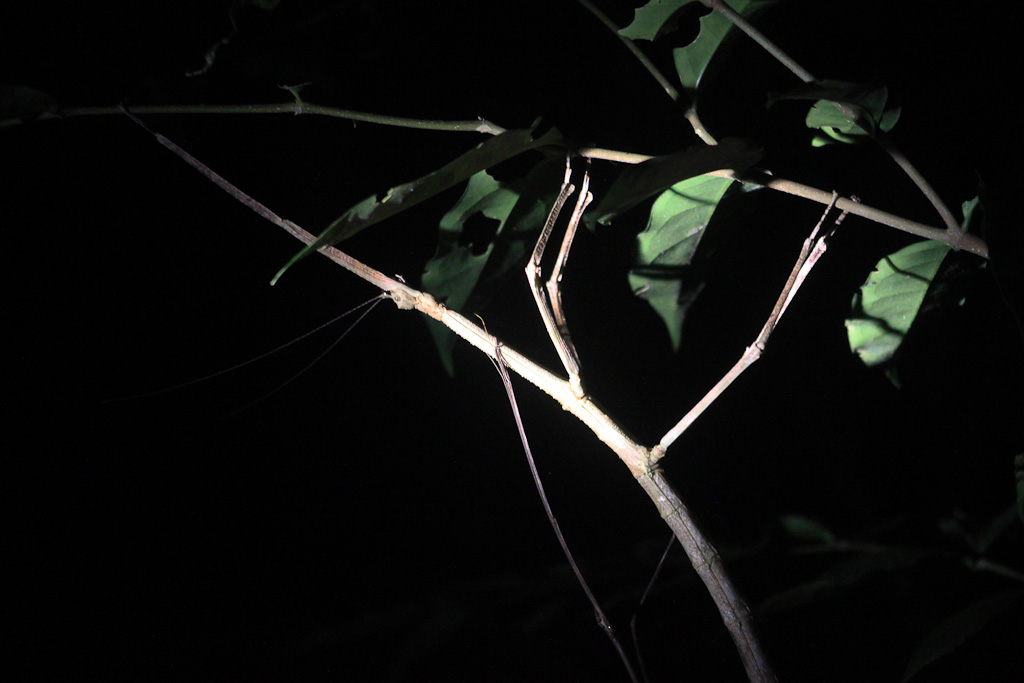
(375, 519)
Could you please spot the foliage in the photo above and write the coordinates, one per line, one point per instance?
(692, 60)
(401, 198)
(889, 300)
(679, 217)
(859, 562)
(483, 238)
(464, 273)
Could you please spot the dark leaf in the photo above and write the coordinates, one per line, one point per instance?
(464, 274)
(951, 633)
(19, 104)
(666, 248)
(637, 183)
(402, 197)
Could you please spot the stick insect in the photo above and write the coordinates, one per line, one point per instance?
(549, 303)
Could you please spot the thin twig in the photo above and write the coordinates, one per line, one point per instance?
(602, 619)
(742, 24)
(296, 108)
(812, 249)
(966, 241)
(952, 226)
(631, 46)
(986, 565)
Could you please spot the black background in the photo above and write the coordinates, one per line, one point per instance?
(375, 520)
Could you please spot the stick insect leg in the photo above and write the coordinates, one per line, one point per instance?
(554, 282)
(554, 320)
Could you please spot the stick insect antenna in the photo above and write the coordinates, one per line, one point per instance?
(166, 390)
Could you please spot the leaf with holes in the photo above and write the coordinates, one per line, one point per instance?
(693, 60)
(658, 16)
(468, 268)
(667, 245)
(654, 18)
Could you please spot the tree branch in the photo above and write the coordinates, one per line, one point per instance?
(774, 50)
(968, 242)
(296, 108)
(956, 238)
(637, 458)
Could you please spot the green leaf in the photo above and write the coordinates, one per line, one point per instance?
(637, 183)
(866, 102)
(454, 270)
(649, 20)
(402, 197)
(968, 209)
(889, 300)
(467, 269)
(952, 632)
(692, 61)
(667, 245)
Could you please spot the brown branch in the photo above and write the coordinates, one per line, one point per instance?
(966, 241)
(637, 458)
(297, 108)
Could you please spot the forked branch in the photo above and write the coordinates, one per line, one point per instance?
(637, 458)
(952, 234)
(813, 248)
(953, 229)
